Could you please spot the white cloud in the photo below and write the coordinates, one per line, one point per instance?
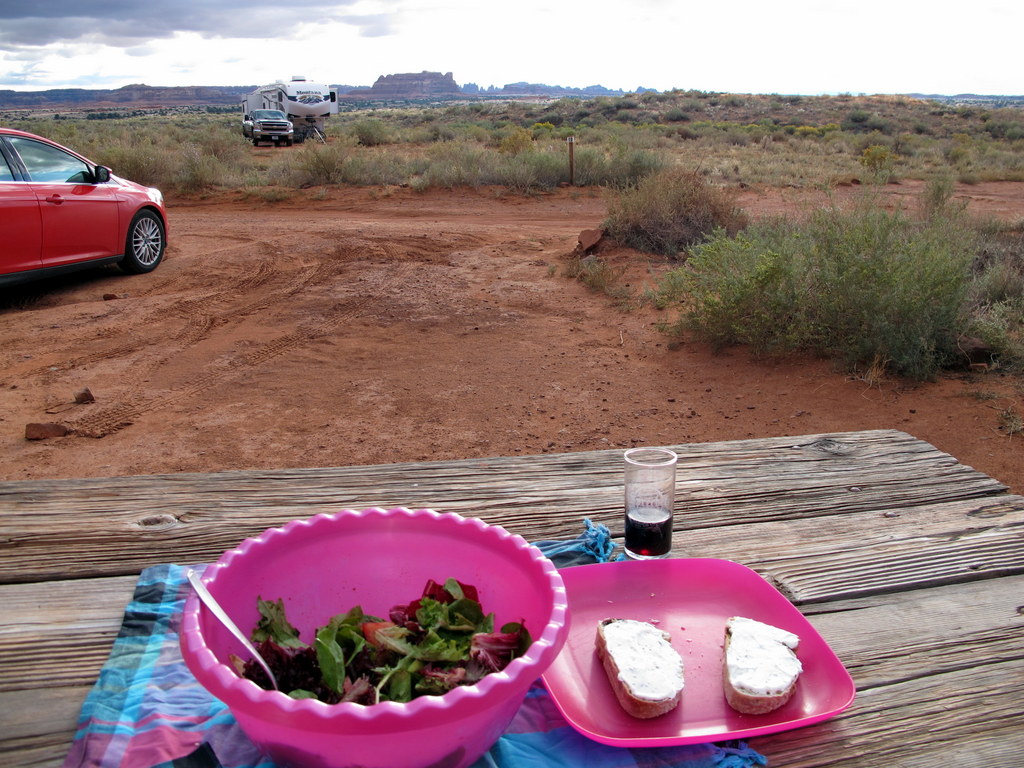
(872, 46)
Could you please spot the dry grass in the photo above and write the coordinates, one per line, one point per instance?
(730, 139)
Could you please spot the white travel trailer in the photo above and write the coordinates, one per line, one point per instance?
(306, 104)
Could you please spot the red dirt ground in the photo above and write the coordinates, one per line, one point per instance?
(373, 326)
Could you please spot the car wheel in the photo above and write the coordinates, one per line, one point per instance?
(145, 244)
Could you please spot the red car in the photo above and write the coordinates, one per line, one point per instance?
(60, 212)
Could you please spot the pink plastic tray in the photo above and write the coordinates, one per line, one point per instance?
(691, 600)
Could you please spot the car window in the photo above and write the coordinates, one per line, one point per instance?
(48, 163)
(5, 170)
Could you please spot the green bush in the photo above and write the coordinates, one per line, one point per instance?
(868, 287)
(600, 277)
(372, 132)
(319, 164)
(628, 167)
(996, 297)
(879, 162)
(516, 142)
(1001, 327)
(197, 171)
(671, 210)
(142, 162)
(379, 168)
(456, 164)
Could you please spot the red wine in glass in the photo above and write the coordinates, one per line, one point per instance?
(648, 532)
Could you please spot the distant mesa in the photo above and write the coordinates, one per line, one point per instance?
(424, 85)
(395, 87)
(135, 96)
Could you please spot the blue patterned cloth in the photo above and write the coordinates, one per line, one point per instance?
(148, 710)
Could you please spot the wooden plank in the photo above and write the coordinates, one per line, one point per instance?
(852, 526)
(968, 718)
(37, 726)
(939, 674)
(959, 630)
(66, 529)
(887, 639)
(59, 634)
(869, 552)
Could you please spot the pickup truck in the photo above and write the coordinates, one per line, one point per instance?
(268, 125)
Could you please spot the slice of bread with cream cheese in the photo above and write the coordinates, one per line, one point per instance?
(761, 668)
(644, 670)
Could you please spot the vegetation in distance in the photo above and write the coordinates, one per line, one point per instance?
(732, 139)
(877, 290)
(880, 291)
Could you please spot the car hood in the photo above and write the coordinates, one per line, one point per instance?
(152, 193)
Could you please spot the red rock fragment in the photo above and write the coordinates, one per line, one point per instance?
(45, 430)
(589, 239)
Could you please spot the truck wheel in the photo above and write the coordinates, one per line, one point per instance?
(144, 247)
(255, 141)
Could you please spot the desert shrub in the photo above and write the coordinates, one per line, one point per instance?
(376, 168)
(599, 276)
(677, 115)
(197, 171)
(668, 211)
(1001, 327)
(590, 166)
(319, 164)
(456, 164)
(529, 171)
(629, 167)
(855, 119)
(1005, 129)
(222, 143)
(879, 162)
(142, 162)
(542, 130)
(516, 142)
(998, 283)
(737, 137)
(550, 168)
(868, 287)
(372, 132)
(996, 296)
(936, 200)
(876, 123)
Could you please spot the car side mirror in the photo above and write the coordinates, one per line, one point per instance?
(101, 174)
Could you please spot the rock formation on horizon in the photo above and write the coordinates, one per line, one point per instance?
(412, 86)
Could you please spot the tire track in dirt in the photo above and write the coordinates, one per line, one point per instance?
(101, 422)
(200, 321)
(193, 307)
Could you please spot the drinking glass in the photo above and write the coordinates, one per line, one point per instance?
(650, 481)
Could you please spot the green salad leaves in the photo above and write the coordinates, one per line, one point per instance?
(441, 640)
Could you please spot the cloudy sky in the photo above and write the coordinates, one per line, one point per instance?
(742, 46)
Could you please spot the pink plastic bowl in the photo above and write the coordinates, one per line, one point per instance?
(376, 558)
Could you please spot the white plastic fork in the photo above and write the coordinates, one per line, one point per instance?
(211, 602)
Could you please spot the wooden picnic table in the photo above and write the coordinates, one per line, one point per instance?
(909, 564)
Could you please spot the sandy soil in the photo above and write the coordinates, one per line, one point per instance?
(374, 326)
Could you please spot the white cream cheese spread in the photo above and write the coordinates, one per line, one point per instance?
(649, 666)
(760, 658)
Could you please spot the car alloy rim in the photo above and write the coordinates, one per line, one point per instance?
(146, 241)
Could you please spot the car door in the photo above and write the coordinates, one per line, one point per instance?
(79, 219)
(20, 223)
